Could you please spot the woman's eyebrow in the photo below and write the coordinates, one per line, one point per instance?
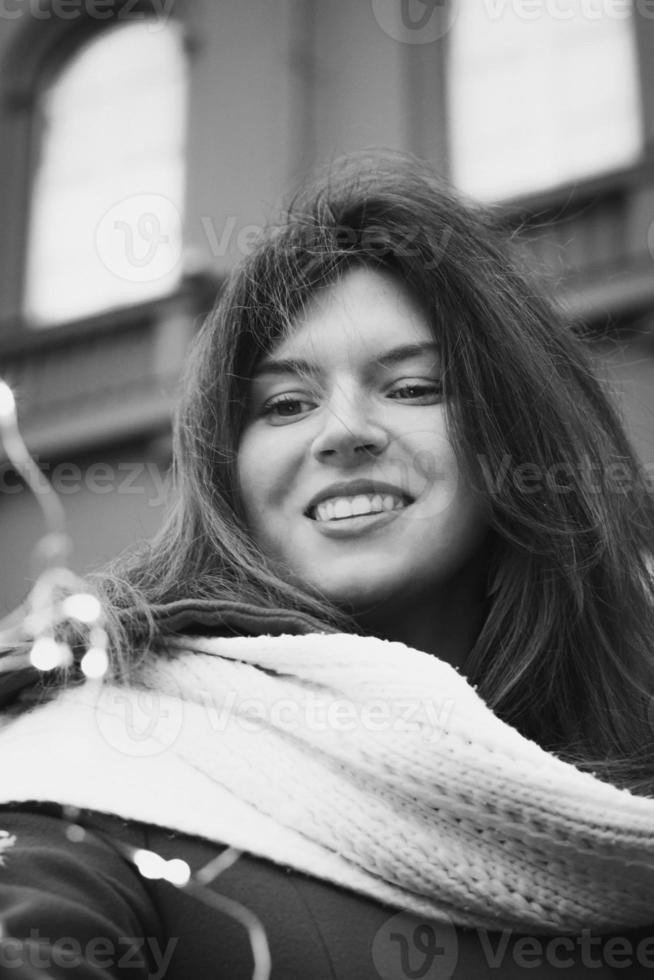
(406, 351)
(271, 365)
(288, 365)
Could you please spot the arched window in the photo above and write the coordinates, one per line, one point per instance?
(541, 92)
(105, 223)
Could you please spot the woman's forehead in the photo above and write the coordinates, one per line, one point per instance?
(366, 313)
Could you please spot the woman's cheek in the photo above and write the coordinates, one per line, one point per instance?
(268, 462)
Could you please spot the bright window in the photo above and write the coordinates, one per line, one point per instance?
(541, 92)
(105, 225)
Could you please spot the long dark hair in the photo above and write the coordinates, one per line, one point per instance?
(564, 653)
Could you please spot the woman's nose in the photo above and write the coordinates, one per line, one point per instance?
(349, 432)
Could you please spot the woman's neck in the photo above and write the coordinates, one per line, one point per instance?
(445, 623)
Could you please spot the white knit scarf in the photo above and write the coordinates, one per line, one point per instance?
(356, 760)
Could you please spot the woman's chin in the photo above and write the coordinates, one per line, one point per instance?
(358, 595)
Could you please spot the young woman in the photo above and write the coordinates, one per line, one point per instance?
(392, 643)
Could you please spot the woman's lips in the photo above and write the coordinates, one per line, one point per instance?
(344, 491)
(344, 527)
(363, 504)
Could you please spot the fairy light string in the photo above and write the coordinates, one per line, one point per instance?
(31, 637)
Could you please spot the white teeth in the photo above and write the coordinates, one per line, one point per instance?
(361, 505)
(338, 508)
(325, 511)
(342, 507)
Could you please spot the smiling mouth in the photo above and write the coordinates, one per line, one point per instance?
(360, 505)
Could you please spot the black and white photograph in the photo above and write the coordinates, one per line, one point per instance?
(326, 489)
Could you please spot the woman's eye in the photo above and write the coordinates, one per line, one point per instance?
(284, 407)
(424, 392)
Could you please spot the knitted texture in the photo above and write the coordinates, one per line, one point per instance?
(359, 761)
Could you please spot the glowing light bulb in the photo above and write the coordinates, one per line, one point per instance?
(47, 654)
(95, 663)
(82, 606)
(7, 403)
(75, 833)
(150, 865)
(178, 872)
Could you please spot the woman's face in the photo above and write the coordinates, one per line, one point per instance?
(346, 471)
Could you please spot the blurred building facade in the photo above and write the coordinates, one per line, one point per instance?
(267, 90)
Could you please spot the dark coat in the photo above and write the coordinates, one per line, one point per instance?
(79, 909)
